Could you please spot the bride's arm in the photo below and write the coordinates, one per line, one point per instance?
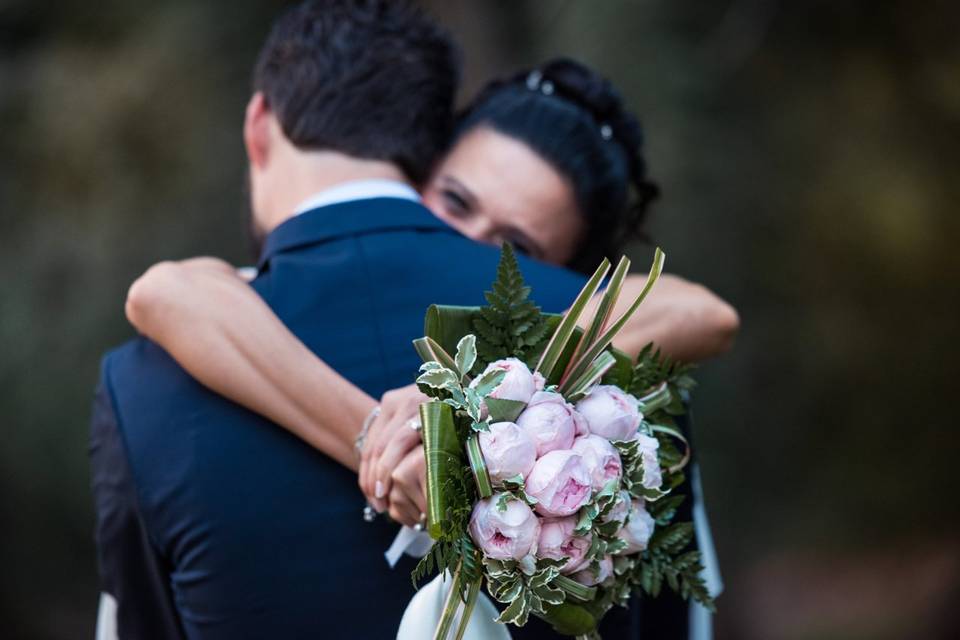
(686, 320)
(226, 337)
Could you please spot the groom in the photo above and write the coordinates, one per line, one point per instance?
(213, 522)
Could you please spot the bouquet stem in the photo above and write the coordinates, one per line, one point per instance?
(450, 607)
(472, 597)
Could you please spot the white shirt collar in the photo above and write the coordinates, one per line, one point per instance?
(358, 190)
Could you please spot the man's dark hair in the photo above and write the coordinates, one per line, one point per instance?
(374, 79)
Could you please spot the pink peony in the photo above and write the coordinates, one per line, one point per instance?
(504, 535)
(590, 577)
(610, 412)
(652, 476)
(558, 541)
(507, 450)
(601, 458)
(550, 421)
(638, 529)
(620, 509)
(560, 483)
(518, 384)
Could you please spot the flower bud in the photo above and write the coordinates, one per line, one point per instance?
(638, 529)
(601, 459)
(550, 421)
(557, 541)
(652, 475)
(620, 509)
(504, 535)
(518, 383)
(590, 577)
(560, 483)
(610, 412)
(507, 450)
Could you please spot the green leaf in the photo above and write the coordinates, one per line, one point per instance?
(550, 360)
(430, 349)
(578, 591)
(466, 354)
(440, 378)
(604, 309)
(570, 619)
(574, 389)
(441, 447)
(588, 356)
(501, 410)
(510, 324)
(479, 467)
(485, 384)
(514, 612)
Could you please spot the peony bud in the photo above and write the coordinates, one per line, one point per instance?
(620, 509)
(550, 421)
(601, 459)
(560, 483)
(557, 541)
(507, 450)
(518, 383)
(610, 412)
(638, 529)
(504, 535)
(652, 476)
(590, 577)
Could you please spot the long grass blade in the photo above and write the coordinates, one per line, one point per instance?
(558, 342)
(604, 340)
(604, 309)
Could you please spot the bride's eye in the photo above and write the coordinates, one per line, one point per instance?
(522, 245)
(456, 205)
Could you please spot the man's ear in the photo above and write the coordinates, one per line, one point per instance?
(256, 130)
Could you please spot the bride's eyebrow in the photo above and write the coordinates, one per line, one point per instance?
(461, 189)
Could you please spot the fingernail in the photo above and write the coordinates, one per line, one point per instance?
(378, 489)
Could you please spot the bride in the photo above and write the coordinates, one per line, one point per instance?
(548, 160)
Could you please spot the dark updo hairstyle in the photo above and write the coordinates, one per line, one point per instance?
(575, 120)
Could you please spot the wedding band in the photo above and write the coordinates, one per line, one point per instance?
(369, 514)
(415, 424)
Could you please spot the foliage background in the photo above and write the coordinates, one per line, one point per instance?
(808, 153)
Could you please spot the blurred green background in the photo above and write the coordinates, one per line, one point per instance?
(809, 153)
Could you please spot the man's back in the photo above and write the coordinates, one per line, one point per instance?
(256, 533)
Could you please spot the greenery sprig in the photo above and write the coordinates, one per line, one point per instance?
(511, 325)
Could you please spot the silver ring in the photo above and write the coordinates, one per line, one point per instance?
(415, 424)
(418, 526)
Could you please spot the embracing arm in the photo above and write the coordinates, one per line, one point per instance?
(686, 320)
(226, 337)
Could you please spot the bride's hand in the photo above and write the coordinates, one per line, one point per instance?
(389, 440)
(408, 503)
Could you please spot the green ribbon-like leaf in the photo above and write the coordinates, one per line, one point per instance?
(441, 448)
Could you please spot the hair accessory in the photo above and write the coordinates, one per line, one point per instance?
(606, 131)
(533, 80)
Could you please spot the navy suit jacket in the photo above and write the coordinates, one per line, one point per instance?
(212, 522)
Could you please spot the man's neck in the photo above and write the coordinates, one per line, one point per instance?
(314, 172)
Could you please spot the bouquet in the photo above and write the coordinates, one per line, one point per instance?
(551, 458)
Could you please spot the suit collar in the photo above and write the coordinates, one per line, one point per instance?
(356, 217)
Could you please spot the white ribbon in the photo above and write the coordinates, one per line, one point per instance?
(423, 614)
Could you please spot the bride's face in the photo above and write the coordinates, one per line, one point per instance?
(491, 188)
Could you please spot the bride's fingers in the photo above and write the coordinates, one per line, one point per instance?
(368, 459)
(410, 478)
(402, 509)
(403, 438)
